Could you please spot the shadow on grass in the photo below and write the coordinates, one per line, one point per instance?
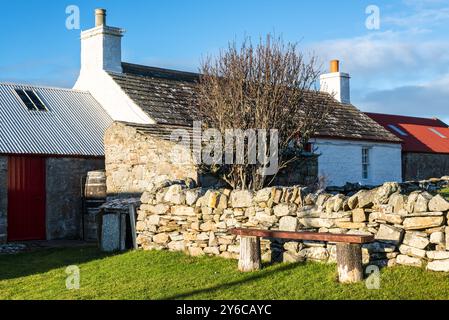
(41, 261)
(249, 278)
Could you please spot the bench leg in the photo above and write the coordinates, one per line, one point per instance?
(250, 258)
(349, 262)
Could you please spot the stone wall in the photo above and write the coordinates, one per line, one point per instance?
(135, 159)
(409, 225)
(419, 166)
(64, 195)
(3, 198)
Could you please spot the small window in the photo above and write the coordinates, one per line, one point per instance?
(365, 163)
(401, 132)
(37, 102)
(31, 100)
(438, 133)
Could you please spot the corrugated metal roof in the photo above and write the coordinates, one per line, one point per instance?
(418, 134)
(74, 124)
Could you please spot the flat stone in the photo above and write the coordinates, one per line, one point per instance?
(387, 217)
(398, 202)
(410, 205)
(191, 197)
(422, 202)
(421, 214)
(438, 203)
(263, 195)
(437, 238)
(288, 223)
(411, 251)
(212, 250)
(382, 194)
(389, 233)
(175, 195)
(161, 238)
(241, 198)
(350, 225)
(159, 209)
(408, 261)
(315, 253)
(438, 265)
(317, 223)
(153, 220)
(196, 251)
(414, 240)
(359, 215)
(182, 211)
(365, 199)
(422, 222)
(282, 210)
(438, 255)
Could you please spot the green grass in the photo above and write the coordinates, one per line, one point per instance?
(445, 193)
(168, 275)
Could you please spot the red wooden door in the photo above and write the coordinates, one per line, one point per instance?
(26, 198)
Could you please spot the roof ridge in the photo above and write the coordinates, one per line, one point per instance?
(41, 87)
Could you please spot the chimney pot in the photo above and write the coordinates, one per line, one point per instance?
(100, 17)
(335, 66)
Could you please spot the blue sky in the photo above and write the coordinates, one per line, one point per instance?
(401, 68)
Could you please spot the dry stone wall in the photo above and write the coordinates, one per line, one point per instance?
(410, 226)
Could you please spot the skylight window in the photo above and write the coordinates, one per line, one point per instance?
(438, 133)
(401, 132)
(31, 100)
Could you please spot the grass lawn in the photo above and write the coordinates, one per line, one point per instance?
(445, 193)
(168, 275)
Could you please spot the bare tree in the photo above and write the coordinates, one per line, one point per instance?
(265, 86)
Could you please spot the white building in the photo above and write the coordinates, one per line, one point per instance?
(353, 147)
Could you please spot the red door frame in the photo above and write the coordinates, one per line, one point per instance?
(26, 198)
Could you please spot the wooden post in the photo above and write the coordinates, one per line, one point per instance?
(349, 262)
(250, 258)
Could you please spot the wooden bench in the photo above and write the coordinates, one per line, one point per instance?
(349, 251)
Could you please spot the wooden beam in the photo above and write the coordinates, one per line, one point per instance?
(313, 236)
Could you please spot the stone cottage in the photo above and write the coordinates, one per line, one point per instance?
(49, 139)
(352, 147)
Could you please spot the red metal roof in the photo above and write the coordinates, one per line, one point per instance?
(417, 134)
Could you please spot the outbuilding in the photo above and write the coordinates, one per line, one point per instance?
(49, 139)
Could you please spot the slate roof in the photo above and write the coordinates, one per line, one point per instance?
(167, 97)
(418, 134)
(73, 125)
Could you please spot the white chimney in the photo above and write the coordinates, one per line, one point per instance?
(336, 83)
(101, 47)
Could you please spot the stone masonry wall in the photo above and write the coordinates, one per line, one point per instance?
(134, 159)
(64, 198)
(3, 198)
(409, 224)
(419, 166)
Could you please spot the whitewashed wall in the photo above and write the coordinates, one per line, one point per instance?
(341, 161)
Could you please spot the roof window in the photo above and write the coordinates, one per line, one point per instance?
(401, 132)
(31, 100)
(438, 133)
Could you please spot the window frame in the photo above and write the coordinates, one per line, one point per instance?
(17, 91)
(366, 163)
